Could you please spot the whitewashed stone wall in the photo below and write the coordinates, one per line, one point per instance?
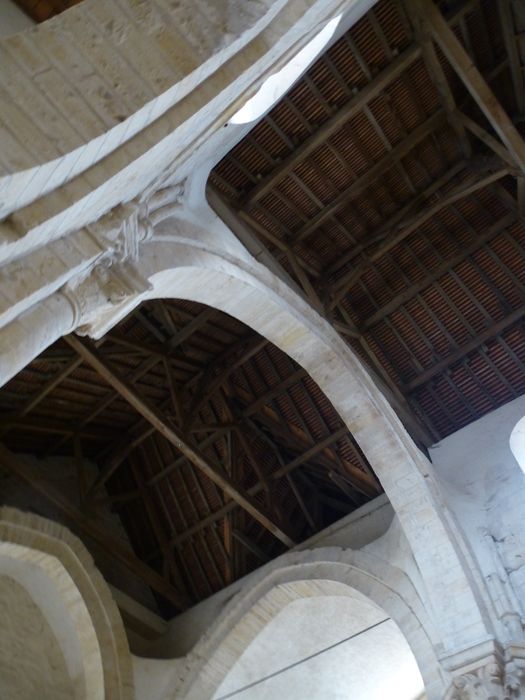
(59, 577)
(485, 488)
(31, 661)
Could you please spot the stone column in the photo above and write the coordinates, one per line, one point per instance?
(32, 332)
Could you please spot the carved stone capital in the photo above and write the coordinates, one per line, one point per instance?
(493, 681)
(485, 683)
(113, 286)
(106, 294)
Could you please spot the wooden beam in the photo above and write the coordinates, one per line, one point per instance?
(343, 486)
(509, 37)
(160, 351)
(460, 192)
(490, 141)
(440, 271)
(44, 425)
(490, 332)
(175, 437)
(19, 468)
(272, 393)
(302, 504)
(475, 83)
(218, 371)
(391, 391)
(159, 532)
(439, 79)
(520, 195)
(278, 474)
(356, 188)
(351, 108)
(297, 440)
(250, 546)
(194, 325)
(416, 203)
(334, 123)
(51, 384)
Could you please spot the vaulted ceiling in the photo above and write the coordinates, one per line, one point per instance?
(386, 186)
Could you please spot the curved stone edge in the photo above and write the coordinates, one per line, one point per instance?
(303, 574)
(39, 533)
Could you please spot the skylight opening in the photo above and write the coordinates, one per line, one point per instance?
(517, 442)
(277, 84)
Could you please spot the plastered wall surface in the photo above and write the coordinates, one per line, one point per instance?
(485, 488)
(374, 665)
(31, 662)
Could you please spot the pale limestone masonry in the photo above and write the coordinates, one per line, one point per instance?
(31, 661)
(59, 576)
(126, 105)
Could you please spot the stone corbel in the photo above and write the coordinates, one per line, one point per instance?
(126, 227)
(121, 232)
(164, 202)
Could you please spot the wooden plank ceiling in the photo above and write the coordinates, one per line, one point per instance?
(389, 184)
(381, 185)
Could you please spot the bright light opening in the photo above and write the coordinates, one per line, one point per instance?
(517, 442)
(277, 84)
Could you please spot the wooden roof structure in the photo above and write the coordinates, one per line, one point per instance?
(217, 451)
(388, 183)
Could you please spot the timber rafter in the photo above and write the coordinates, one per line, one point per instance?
(186, 413)
(388, 186)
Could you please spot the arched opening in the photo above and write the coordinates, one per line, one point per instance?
(263, 460)
(32, 662)
(517, 442)
(283, 635)
(62, 636)
(334, 646)
(182, 261)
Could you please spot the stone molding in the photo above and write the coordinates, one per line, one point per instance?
(81, 579)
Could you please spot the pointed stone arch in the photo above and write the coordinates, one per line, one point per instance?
(208, 265)
(322, 572)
